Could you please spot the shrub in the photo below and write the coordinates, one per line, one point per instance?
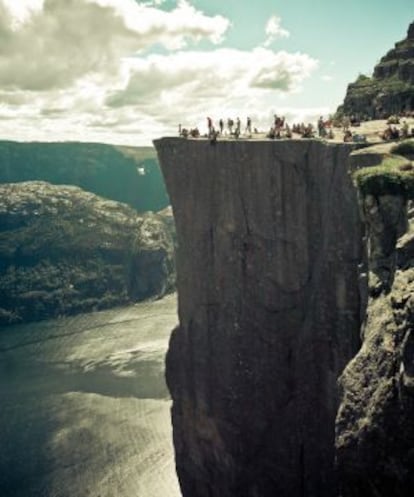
(405, 148)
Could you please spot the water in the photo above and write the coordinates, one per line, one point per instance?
(84, 409)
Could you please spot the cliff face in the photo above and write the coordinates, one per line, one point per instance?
(375, 429)
(391, 88)
(64, 250)
(125, 174)
(269, 244)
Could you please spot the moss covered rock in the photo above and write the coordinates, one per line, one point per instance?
(385, 170)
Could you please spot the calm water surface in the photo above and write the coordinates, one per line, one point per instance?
(84, 409)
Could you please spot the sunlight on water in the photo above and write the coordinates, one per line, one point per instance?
(84, 405)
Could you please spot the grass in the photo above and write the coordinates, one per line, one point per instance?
(364, 80)
(393, 176)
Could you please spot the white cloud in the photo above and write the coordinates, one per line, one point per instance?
(274, 30)
(19, 11)
(172, 28)
(327, 78)
(53, 43)
(216, 74)
(82, 70)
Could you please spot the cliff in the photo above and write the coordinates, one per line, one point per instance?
(64, 250)
(390, 90)
(125, 174)
(269, 243)
(375, 429)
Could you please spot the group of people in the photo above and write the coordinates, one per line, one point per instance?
(281, 129)
(391, 132)
(232, 128)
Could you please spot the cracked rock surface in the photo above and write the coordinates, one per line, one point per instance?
(375, 427)
(269, 242)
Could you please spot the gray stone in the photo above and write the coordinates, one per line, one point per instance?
(375, 428)
(269, 243)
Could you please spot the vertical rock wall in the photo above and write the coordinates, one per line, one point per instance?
(269, 244)
(375, 423)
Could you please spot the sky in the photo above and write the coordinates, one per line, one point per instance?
(130, 71)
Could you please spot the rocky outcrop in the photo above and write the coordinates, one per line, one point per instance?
(375, 429)
(391, 88)
(269, 242)
(64, 250)
(125, 174)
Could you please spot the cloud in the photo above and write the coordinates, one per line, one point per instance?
(283, 71)
(220, 73)
(327, 78)
(83, 70)
(174, 28)
(274, 30)
(52, 43)
(20, 11)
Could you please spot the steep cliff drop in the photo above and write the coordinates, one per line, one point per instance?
(375, 428)
(269, 242)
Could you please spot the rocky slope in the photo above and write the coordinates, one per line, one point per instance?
(269, 243)
(375, 429)
(125, 174)
(64, 250)
(390, 90)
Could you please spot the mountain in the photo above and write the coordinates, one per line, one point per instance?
(125, 174)
(390, 90)
(64, 250)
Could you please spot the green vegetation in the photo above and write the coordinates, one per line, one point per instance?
(405, 148)
(363, 80)
(394, 176)
(64, 250)
(395, 85)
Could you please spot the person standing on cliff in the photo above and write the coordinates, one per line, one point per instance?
(238, 125)
(249, 126)
(209, 125)
(230, 124)
(221, 125)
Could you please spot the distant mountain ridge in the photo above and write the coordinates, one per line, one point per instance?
(390, 90)
(125, 174)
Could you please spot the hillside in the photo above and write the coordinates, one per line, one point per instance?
(390, 89)
(125, 174)
(64, 250)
